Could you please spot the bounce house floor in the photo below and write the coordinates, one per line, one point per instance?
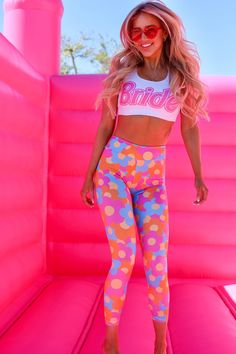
(64, 315)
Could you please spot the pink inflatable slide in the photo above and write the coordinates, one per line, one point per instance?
(54, 254)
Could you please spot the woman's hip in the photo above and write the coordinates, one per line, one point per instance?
(130, 159)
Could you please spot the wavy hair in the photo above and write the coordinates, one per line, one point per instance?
(178, 54)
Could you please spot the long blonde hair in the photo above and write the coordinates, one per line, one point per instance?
(178, 54)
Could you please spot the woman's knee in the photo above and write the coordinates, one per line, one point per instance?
(123, 259)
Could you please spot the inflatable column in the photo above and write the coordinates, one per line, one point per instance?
(34, 28)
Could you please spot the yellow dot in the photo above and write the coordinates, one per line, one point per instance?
(113, 185)
(122, 254)
(152, 163)
(140, 163)
(109, 230)
(155, 206)
(116, 144)
(162, 217)
(160, 313)
(123, 225)
(121, 241)
(151, 296)
(151, 277)
(130, 214)
(107, 194)
(116, 283)
(155, 182)
(159, 289)
(100, 182)
(151, 241)
(114, 320)
(154, 227)
(162, 246)
(147, 219)
(157, 171)
(131, 163)
(125, 270)
(159, 266)
(147, 155)
(109, 210)
(146, 194)
(121, 156)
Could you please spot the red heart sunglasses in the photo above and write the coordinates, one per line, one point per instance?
(149, 31)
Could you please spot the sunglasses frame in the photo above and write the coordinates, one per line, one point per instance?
(145, 31)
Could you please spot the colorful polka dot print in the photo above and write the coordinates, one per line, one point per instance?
(131, 195)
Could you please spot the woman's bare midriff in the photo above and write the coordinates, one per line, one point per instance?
(143, 130)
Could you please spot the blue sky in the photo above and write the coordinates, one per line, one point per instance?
(210, 24)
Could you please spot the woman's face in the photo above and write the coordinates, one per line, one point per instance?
(140, 22)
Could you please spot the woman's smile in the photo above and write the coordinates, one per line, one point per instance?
(147, 45)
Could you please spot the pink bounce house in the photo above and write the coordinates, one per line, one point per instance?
(53, 249)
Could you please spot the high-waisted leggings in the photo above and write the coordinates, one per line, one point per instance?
(131, 194)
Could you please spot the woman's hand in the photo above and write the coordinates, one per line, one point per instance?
(202, 191)
(87, 192)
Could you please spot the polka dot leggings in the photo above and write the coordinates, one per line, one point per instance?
(131, 195)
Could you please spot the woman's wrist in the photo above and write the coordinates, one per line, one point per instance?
(89, 175)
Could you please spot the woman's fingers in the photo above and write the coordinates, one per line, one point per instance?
(202, 192)
(87, 195)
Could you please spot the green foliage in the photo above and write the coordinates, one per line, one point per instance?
(74, 53)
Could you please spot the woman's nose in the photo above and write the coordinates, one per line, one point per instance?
(143, 35)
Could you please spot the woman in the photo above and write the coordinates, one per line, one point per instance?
(151, 81)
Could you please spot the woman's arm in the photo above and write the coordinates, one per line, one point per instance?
(191, 137)
(104, 132)
(102, 137)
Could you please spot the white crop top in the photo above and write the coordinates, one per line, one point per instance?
(139, 96)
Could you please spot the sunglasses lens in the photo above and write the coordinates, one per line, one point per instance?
(136, 35)
(149, 32)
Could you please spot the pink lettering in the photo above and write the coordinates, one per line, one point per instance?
(148, 97)
(161, 99)
(125, 93)
(148, 91)
(171, 104)
(137, 93)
